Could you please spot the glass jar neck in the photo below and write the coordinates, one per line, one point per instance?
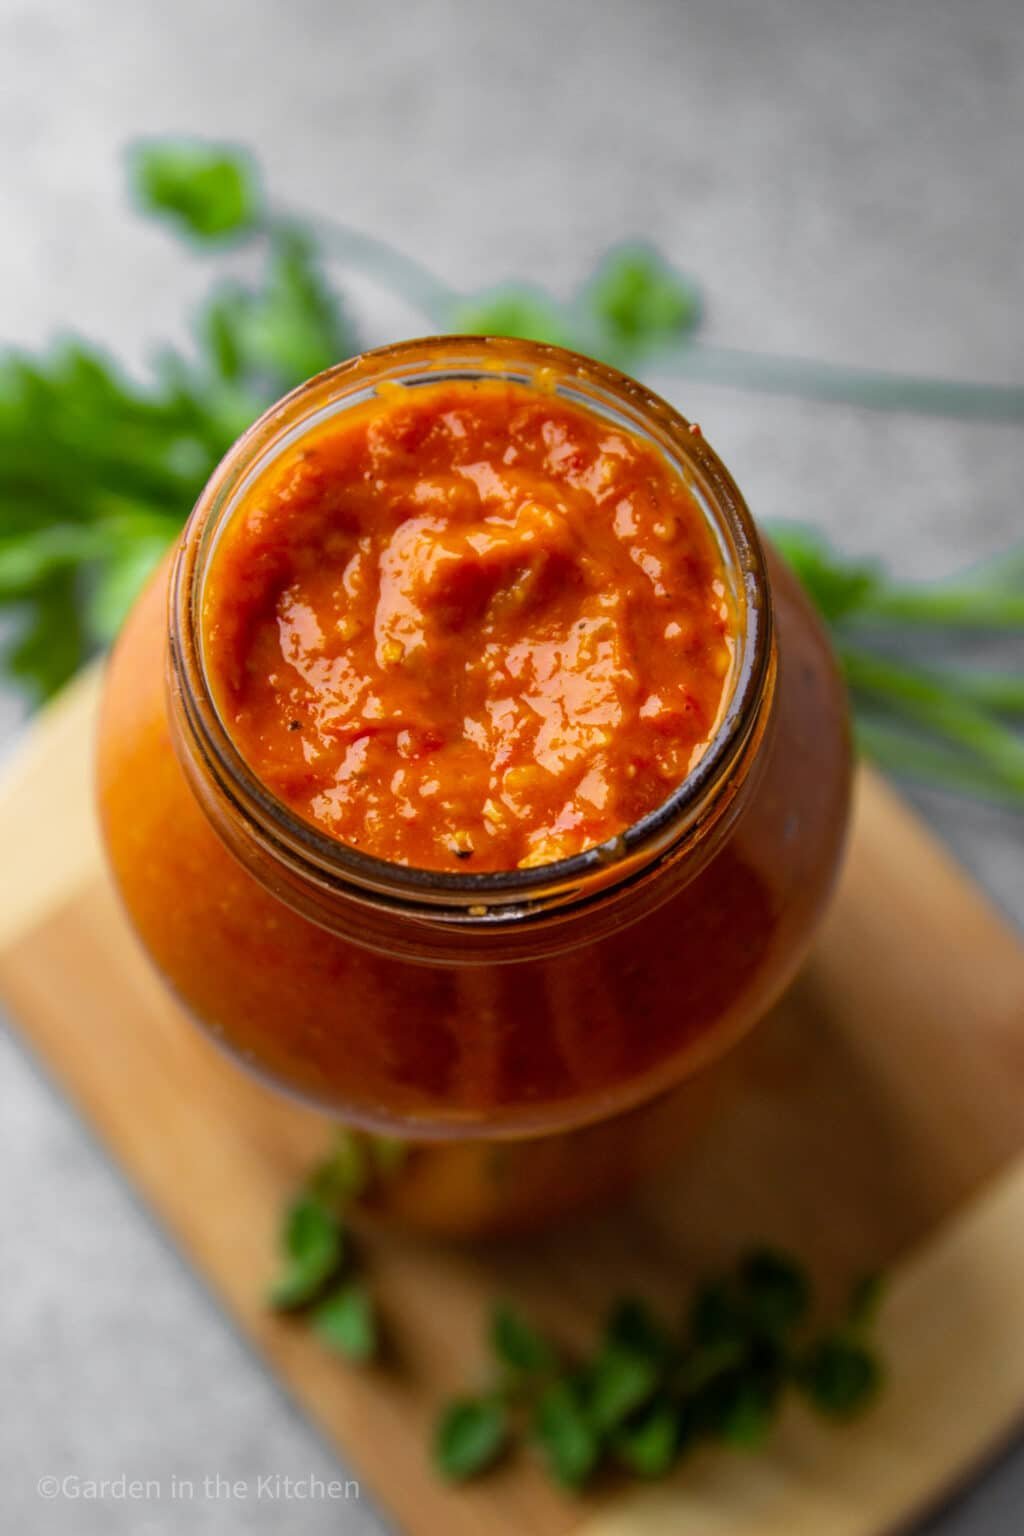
(438, 916)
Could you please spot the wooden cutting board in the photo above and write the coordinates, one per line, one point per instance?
(876, 1117)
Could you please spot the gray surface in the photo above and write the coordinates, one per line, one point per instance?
(847, 183)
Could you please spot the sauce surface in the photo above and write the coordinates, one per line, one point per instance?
(469, 626)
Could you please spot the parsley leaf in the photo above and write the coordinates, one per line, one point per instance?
(472, 1434)
(313, 1245)
(517, 1345)
(565, 1433)
(747, 1412)
(346, 1173)
(630, 1364)
(208, 191)
(774, 1291)
(516, 310)
(837, 585)
(637, 303)
(649, 1443)
(646, 1393)
(840, 1376)
(346, 1321)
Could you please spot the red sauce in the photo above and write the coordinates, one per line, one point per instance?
(469, 626)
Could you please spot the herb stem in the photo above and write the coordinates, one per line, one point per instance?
(1001, 692)
(808, 379)
(393, 268)
(910, 757)
(935, 706)
(802, 377)
(944, 606)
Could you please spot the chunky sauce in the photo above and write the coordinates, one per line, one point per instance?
(469, 626)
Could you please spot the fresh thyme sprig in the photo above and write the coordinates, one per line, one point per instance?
(645, 1394)
(649, 1391)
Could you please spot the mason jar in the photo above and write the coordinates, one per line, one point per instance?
(572, 1012)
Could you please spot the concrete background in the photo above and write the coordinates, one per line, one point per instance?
(846, 183)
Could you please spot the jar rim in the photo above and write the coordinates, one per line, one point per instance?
(465, 897)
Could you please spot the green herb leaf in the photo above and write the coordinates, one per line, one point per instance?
(644, 1394)
(133, 555)
(620, 1382)
(275, 337)
(749, 1412)
(635, 1354)
(346, 1173)
(840, 1376)
(565, 1434)
(50, 645)
(775, 1291)
(922, 697)
(837, 585)
(96, 475)
(346, 1320)
(28, 558)
(472, 1434)
(649, 1445)
(521, 311)
(639, 303)
(313, 1245)
(517, 1345)
(208, 190)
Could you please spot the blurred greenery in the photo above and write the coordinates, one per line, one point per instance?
(649, 1390)
(98, 469)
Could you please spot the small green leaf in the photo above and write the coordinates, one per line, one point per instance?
(563, 1431)
(471, 1435)
(635, 1354)
(621, 1380)
(838, 586)
(313, 1245)
(49, 646)
(133, 559)
(346, 1321)
(775, 1291)
(649, 1445)
(346, 1173)
(749, 1413)
(840, 1376)
(28, 558)
(309, 1229)
(522, 311)
(207, 190)
(639, 302)
(271, 338)
(517, 1345)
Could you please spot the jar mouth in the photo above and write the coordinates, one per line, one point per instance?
(492, 897)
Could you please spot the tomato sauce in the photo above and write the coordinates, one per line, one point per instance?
(469, 626)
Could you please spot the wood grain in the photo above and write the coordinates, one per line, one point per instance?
(876, 1117)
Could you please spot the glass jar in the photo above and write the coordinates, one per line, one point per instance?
(572, 1010)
